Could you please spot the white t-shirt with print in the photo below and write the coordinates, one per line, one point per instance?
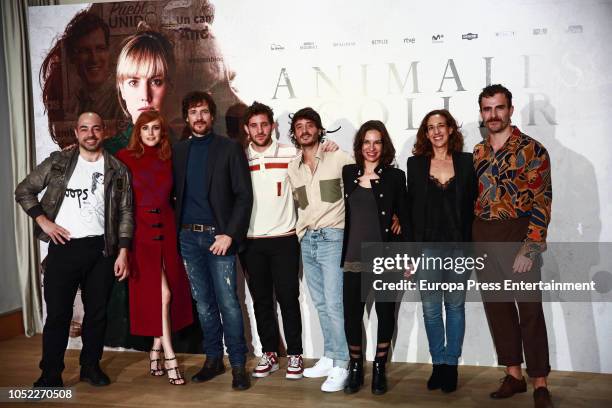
(82, 211)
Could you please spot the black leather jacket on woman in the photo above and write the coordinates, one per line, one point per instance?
(390, 195)
(55, 172)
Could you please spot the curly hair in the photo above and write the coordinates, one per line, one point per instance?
(309, 114)
(194, 99)
(388, 150)
(258, 108)
(136, 147)
(492, 90)
(422, 145)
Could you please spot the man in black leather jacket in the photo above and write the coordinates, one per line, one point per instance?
(86, 213)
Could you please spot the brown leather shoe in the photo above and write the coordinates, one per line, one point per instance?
(509, 387)
(541, 398)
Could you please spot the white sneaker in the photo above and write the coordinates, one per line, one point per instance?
(336, 380)
(320, 369)
(266, 366)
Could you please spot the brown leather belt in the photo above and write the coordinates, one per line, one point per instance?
(198, 227)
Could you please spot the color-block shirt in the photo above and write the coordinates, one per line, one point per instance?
(319, 194)
(273, 212)
(515, 182)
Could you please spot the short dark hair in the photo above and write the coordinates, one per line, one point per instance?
(422, 145)
(258, 109)
(388, 150)
(492, 90)
(196, 97)
(309, 114)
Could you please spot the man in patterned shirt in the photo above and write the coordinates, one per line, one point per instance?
(513, 205)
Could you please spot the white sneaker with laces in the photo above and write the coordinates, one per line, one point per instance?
(320, 369)
(268, 363)
(295, 367)
(336, 380)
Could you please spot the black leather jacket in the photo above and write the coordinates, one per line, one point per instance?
(55, 172)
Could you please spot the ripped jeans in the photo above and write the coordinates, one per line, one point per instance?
(213, 286)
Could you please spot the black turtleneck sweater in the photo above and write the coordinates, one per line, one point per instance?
(196, 207)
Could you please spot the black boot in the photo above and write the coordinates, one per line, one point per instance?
(449, 379)
(435, 381)
(213, 366)
(355, 380)
(47, 380)
(240, 380)
(379, 376)
(94, 375)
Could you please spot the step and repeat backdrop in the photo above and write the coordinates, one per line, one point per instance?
(354, 61)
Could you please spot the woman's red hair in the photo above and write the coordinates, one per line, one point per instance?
(136, 147)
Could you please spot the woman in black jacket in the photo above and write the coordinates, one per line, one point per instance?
(374, 192)
(441, 192)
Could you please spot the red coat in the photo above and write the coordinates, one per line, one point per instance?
(154, 247)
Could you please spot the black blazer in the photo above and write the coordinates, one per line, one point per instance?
(390, 195)
(229, 185)
(417, 169)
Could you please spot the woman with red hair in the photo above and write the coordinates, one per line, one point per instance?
(160, 299)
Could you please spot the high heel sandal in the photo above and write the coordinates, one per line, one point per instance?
(158, 371)
(179, 376)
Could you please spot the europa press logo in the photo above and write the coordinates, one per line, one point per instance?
(540, 31)
(437, 38)
(276, 47)
(469, 36)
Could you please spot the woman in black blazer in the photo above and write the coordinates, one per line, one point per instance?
(374, 192)
(441, 192)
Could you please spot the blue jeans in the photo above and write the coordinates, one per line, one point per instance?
(321, 253)
(213, 287)
(444, 350)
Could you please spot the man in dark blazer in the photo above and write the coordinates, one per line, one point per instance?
(214, 197)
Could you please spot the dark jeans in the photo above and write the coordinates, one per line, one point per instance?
(78, 262)
(213, 286)
(272, 266)
(353, 312)
(515, 326)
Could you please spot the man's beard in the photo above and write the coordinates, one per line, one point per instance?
(205, 128)
(266, 142)
(94, 148)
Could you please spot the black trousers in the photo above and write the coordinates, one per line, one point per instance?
(78, 262)
(272, 266)
(353, 312)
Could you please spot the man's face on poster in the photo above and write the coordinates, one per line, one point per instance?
(199, 118)
(91, 57)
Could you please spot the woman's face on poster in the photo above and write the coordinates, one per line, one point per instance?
(142, 93)
(91, 58)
